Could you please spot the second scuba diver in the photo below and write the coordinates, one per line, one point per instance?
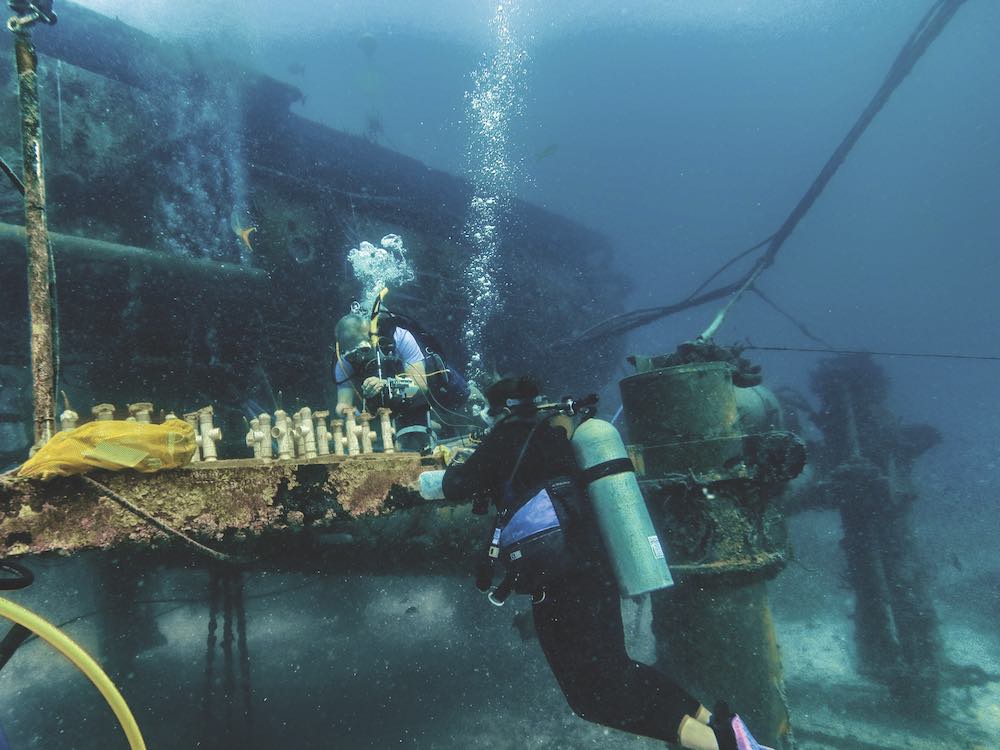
(368, 377)
(553, 550)
(383, 361)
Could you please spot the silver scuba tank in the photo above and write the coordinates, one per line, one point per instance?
(637, 556)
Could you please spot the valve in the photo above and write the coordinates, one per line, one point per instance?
(255, 438)
(296, 435)
(337, 436)
(68, 420)
(142, 412)
(323, 437)
(103, 412)
(266, 447)
(351, 432)
(306, 432)
(209, 435)
(387, 429)
(367, 434)
(282, 432)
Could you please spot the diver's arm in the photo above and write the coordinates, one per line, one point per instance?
(486, 470)
(418, 372)
(462, 483)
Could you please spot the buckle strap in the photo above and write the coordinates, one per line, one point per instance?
(498, 596)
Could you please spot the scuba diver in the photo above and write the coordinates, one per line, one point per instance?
(380, 362)
(551, 544)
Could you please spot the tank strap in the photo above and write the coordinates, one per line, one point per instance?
(607, 469)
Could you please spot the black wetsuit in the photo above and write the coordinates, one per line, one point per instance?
(579, 621)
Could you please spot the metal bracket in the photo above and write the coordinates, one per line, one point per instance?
(29, 13)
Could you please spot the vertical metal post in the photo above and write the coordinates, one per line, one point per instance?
(39, 259)
(714, 630)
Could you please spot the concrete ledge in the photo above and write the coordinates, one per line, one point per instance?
(362, 509)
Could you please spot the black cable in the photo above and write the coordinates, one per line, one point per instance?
(930, 27)
(736, 258)
(12, 176)
(17, 635)
(801, 326)
(23, 576)
(919, 355)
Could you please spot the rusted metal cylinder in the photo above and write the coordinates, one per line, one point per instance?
(716, 637)
(39, 255)
(683, 418)
(688, 429)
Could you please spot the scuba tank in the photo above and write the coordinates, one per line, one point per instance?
(633, 546)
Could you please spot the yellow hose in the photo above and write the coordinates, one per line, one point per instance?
(81, 660)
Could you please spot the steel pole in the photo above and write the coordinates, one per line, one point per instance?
(39, 254)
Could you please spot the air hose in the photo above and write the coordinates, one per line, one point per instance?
(82, 661)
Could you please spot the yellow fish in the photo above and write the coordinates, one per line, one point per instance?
(244, 234)
(242, 225)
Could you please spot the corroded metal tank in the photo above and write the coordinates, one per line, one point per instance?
(684, 416)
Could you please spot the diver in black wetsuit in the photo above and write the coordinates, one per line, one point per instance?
(575, 599)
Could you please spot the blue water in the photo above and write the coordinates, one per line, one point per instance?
(685, 134)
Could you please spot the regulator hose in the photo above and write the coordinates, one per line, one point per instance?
(82, 661)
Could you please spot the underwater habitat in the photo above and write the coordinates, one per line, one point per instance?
(505, 375)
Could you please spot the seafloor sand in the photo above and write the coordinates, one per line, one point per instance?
(425, 663)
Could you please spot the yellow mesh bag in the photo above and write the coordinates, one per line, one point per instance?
(113, 445)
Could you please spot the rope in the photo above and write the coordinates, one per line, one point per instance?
(929, 28)
(152, 521)
(12, 176)
(805, 331)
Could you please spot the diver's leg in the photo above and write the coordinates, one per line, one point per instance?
(580, 630)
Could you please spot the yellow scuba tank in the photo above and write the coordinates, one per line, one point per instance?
(637, 557)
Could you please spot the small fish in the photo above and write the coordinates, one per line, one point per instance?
(955, 562)
(546, 152)
(242, 225)
(297, 69)
(411, 610)
(244, 234)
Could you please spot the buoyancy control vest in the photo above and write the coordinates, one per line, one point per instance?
(531, 542)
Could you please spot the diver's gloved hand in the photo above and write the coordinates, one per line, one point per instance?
(372, 387)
